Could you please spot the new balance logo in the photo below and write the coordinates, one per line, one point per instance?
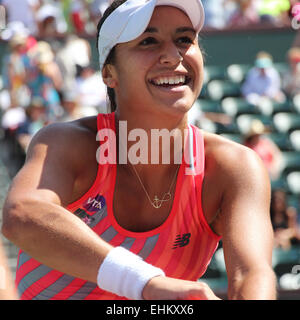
(182, 240)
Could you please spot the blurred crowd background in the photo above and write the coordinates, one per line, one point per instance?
(49, 73)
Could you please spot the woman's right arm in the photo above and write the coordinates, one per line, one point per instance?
(34, 217)
(35, 220)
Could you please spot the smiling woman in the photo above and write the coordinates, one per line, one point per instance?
(127, 229)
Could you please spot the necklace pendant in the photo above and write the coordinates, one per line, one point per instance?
(157, 202)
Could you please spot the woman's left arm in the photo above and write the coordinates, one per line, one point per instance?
(246, 228)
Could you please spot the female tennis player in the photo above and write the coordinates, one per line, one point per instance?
(112, 227)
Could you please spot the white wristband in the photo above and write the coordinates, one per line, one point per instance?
(125, 274)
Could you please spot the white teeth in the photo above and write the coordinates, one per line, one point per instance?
(171, 80)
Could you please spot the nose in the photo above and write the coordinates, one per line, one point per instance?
(170, 54)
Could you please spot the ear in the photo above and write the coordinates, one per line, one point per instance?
(109, 75)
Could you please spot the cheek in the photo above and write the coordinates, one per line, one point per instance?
(133, 70)
(195, 60)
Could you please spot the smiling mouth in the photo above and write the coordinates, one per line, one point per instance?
(175, 81)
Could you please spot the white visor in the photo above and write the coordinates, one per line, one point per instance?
(131, 19)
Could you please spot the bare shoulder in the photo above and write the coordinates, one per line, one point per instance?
(228, 157)
(64, 132)
(236, 182)
(60, 162)
(67, 138)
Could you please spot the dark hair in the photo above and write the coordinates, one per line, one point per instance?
(111, 57)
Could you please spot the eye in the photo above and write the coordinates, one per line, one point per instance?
(185, 40)
(148, 41)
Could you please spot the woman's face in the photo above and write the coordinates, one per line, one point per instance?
(163, 68)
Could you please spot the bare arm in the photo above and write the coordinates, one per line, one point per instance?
(34, 217)
(246, 228)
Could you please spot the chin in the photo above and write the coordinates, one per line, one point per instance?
(179, 107)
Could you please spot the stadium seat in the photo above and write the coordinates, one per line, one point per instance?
(214, 73)
(285, 256)
(231, 128)
(282, 140)
(203, 93)
(284, 260)
(293, 182)
(267, 107)
(236, 106)
(209, 105)
(286, 122)
(244, 121)
(237, 72)
(280, 183)
(219, 258)
(233, 137)
(282, 68)
(219, 89)
(296, 102)
(295, 139)
(291, 162)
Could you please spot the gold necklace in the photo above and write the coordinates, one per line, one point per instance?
(156, 202)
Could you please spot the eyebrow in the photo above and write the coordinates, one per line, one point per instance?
(178, 30)
(185, 29)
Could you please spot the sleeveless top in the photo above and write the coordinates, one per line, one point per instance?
(182, 246)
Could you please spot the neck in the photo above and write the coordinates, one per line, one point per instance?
(153, 145)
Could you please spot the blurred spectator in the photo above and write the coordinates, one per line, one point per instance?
(12, 118)
(266, 149)
(207, 120)
(263, 81)
(18, 28)
(83, 16)
(91, 89)
(23, 11)
(295, 14)
(43, 78)
(43, 56)
(75, 52)
(218, 12)
(284, 221)
(96, 9)
(246, 13)
(35, 120)
(291, 80)
(222, 14)
(275, 11)
(72, 109)
(14, 72)
(78, 16)
(50, 18)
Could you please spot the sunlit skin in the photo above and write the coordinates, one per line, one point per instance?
(235, 190)
(168, 47)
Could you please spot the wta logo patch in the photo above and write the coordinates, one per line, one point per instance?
(182, 240)
(80, 213)
(94, 204)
